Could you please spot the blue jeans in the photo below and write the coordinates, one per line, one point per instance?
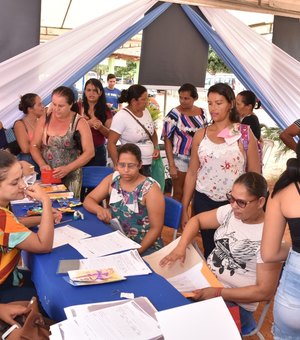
(100, 157)
(287, 301)
(248, 322)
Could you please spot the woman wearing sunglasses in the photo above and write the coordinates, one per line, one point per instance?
(236, 259)
(135, 200)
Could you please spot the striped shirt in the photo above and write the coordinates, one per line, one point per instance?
(180, 129)
(12, 232)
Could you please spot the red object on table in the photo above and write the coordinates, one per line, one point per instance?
(47, 177)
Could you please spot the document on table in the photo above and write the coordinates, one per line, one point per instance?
(104, 245)
(126, 264)
(209, 319)
(192, 274)
(67, 234)
(125, 321)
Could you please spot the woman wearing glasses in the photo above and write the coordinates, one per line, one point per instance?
(236, 259)
(135, 200)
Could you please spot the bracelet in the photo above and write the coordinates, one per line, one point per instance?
(218, 292)
(157, 147)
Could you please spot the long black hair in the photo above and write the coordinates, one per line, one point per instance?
(133, 92)
(100, 107)
(291, 174)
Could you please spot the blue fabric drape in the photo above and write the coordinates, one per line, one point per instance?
(232, 62)
(125, 36)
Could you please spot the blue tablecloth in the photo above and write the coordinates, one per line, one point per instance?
(55, 293)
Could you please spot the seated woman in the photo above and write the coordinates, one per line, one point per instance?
(14, 236)
(135, 200)
(236, 259)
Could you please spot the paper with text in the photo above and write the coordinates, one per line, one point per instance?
(104, 245)
(67, 234)
(185, 277)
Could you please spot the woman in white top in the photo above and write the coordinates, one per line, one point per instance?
(219, 155)
(129, 125)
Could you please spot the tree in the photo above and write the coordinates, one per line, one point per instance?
(126, 72)
(215, 63)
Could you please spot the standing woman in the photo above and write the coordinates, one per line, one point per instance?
(217, 159)
(98, 116)
(179, 128)
(53, 145)
(32, 107)
(14, 236)
(283, 207)
(133, 124)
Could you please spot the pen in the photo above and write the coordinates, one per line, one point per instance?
(64, 221)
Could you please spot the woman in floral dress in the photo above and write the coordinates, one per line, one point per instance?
(135, 200)
(218, 157)
(53, 145)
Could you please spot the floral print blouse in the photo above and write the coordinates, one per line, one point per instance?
(127, 207)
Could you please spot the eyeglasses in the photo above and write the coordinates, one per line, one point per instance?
(241, 203)
(130, 166)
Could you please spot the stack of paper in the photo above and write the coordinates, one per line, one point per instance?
(67, 234)
(53, 187)
(128, 263)
(191, 275)
(129, 319)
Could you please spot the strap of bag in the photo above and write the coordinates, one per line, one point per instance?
(148, 133)
(245, 136)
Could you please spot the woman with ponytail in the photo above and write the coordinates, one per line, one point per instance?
(282, 209)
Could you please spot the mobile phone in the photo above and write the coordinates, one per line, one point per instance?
(10, 330)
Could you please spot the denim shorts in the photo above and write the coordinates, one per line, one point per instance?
(182, 162)
(287, 301)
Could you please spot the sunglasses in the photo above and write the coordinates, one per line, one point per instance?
(241, 203)
(128, 165)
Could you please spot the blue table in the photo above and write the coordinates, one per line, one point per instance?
(55, 293)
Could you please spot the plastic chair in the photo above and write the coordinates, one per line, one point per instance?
(256, 330)
(92, 176)
(173, 211)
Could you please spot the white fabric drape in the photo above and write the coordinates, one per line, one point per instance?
(44, 67)
(275, 72)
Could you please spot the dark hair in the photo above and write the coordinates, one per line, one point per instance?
(133, 92)
(249, 98)
(100, 107)
(226, 91)
(291, 174)
(130, 148)
(189, 88)
(6, 161)
(64, 91)
(27, 101)
(255, 184)
(111, 76)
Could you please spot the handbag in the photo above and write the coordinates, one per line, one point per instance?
(157, 166)
(76, 133)
(33, 325)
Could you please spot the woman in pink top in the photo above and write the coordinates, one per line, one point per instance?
(32, 107)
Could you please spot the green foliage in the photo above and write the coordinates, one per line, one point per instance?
(126, 72)
(273, 134)
(215, 63)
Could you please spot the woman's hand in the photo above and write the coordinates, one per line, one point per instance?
(36, 193)
(104, 215)
(173, 171)
(8, 312)
(204, 294)
(61, 171)
(57, 215)
(176, 254)
(45, 167)
(97, 124)
(156, 154)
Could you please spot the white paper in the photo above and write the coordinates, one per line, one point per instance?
(104, 245)
(190, 280)
(205, 320)
(128, 263)
(126, 321)
(25, 200)
(67, 234)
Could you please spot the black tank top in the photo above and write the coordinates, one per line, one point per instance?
(294, 225)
